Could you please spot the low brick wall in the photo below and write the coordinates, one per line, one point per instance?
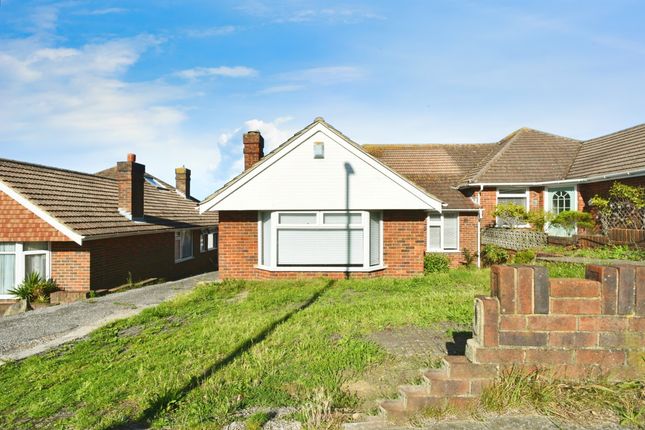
(582, 326)
(576, 328)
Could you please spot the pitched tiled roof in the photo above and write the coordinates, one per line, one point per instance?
(619, 152)
(527, 156)
(438, 168)
(88, 204)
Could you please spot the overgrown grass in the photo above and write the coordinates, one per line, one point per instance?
(586, 401)
(564, 270)
(200, 359)
(616, 252)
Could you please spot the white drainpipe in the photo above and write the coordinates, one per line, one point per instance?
(479, 223)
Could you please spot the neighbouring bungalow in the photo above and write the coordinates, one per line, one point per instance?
(97, 231)
(321, 204)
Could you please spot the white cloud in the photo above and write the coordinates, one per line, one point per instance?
(324, 75)
(272, 131)
(104, 11)
(230, 72)
(276, 89)
(210, 31)
(73, 108)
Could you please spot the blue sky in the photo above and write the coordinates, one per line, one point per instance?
(82, 83)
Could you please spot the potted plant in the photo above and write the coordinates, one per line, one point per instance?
(35, 290)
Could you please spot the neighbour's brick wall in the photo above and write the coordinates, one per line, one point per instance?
(467, 238)
(70, 266)
(488, 201)
(581, 327)
(404, 245)
(143, 256)
(19, 224)
(587, 191)
(536, 198)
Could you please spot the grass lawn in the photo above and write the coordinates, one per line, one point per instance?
(200, 359)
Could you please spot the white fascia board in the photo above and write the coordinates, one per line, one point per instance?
(40, 213)
(424, 198)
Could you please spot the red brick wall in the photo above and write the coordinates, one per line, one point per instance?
(404, 244)
(587, 191)
(19, 224)
(488, 201)
(580, 326)
(536, 198)
(144, 256)
(70, 266)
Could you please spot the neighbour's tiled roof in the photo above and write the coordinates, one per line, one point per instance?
(438, 168)
(620, 152)
(526, 156)
(88, 204)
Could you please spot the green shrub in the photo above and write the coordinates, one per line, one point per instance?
(469, 257)
(510, 214)
(568, 220)
(493, 254)
(436, 263)
(525, 256)
(539, 218)
(35, 289)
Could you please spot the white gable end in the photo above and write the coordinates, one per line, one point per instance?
(344, 178)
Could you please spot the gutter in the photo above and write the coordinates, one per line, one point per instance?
(597, 178)
(479, 227)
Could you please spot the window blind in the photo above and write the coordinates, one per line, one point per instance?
(450, 229)
(375, 238)
(300, 247)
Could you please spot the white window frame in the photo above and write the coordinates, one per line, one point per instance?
(204, 236)
(180, 234)
(19, 271)
(526, 195)
(547, 203)
(440, 223)
(275, 226)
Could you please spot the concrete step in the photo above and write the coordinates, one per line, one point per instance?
(435, 375)
(393, 409)
(414, 396)
(368, 423)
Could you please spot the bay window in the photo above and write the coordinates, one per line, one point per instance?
(183, 245)
(17, 260)
(320, 240)
(443, 232)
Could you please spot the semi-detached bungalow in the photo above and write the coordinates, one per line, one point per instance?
(321, 204)
(96, 231)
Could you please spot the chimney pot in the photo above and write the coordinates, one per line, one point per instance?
(132, 158)
(182, 181)
(253, 148)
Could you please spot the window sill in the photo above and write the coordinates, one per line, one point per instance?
(321, 269)
(184, 259)
(444, 251)
(8, 297)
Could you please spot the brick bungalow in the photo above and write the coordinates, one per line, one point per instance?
(94, 231)
(321, 204)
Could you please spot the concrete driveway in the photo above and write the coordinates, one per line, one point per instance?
(43, 329)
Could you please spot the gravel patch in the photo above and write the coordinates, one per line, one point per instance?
(38, 331)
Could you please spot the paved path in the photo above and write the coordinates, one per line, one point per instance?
(587, 260)
(43, 329)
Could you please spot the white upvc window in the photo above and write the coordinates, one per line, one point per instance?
(320, 240)
(208, 239)
(17, 260)
(519, 196)
(183, 245)
(443, 232)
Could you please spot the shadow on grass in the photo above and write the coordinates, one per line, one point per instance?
(167, 402)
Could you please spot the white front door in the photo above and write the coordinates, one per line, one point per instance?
(560, 200)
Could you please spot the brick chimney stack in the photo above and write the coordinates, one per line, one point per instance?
(182, 181)
(129, 175)
(253, 148)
